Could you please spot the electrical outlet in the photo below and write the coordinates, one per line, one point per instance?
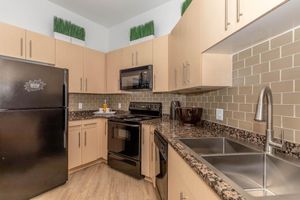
(220, 114)
(80, 105)
(119, 105)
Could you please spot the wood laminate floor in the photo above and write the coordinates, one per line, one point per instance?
(100, 182)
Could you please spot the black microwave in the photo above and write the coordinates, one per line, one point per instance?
(137, 78)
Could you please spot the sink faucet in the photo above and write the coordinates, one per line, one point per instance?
(266, 92)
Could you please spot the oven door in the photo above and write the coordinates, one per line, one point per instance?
(124, 140)
(138, 78)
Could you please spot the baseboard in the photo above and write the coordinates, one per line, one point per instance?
(81, 167)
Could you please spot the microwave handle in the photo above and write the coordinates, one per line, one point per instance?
(129, 125)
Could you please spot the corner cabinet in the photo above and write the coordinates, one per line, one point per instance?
(161, 64)
(183, 182)
(71, 57)
(87, 142)
(94, 72)
(113, 65)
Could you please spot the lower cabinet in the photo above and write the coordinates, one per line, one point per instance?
(148, 152)
(87, 141)
(184, 183)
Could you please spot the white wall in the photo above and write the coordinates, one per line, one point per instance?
(165, 18)
(37, 16)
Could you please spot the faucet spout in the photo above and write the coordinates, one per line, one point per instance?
(266, 93)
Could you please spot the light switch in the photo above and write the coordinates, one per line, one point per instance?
(119, 105)
(220, 114)
(80, 105)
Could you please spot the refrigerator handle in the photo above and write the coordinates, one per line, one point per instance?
(66, 93)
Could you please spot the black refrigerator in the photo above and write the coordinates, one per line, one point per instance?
(33, 129)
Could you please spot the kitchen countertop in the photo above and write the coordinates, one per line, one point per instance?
(89, 114)
(172, 131)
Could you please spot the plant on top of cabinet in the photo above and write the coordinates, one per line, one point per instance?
(74, 33)
(142, 32)
(185, 5)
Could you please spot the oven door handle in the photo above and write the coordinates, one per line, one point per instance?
(123, 124)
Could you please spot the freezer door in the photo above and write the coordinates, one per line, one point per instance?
(33, 152)
(26, 85)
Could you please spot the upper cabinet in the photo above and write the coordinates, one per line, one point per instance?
(161, 64)
(40, 48)
(94, 71)
(137, 55)
(71, 57)
(113, 65)
(12, 41)
(229, 16)
(19, 43)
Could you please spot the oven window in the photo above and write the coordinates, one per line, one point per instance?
(124, 140)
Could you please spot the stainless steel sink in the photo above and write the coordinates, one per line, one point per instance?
(219, 145)
(259, 175)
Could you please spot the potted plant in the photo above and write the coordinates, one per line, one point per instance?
(142, 33)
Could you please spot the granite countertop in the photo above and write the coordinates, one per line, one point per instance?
(89, 114)
(172, 131)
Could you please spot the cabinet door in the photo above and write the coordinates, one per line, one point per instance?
(144, 53)
(127, 57)
(250, 10)
(94, 72)
(183, 182)
(103, 138)
(146, 150)
(161, 64)
(217, 17)
(74, 146)
(71, 57)
(113, 64)
(40, 48)
(152, 155)
(90, 139)
(12, 41)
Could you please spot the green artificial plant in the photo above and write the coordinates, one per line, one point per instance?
(142, 31)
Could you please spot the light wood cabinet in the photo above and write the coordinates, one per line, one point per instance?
(87, 141)
(137, 55)
(146, 150)
(113, 65)
(74, 145)
(40, 48)
(161, 64)
(148, 153)
(94, 72)
(71, 57)
(91, 141)
(103, 125)
(12, 41)
(183, 182)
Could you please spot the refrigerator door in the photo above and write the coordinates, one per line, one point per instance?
(33, 152)
(26, 85)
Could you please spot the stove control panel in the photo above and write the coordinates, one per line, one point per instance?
(145, 106)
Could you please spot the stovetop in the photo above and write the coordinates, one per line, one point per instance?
(132, 118)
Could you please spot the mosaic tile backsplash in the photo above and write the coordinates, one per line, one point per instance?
(93, 102)
(274, 62)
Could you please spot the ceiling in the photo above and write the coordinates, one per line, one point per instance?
(109, 12)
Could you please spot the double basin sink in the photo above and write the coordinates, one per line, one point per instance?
(253, 173)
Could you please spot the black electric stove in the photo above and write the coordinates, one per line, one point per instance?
(125, 135)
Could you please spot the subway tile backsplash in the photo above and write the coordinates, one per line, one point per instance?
(274, 63)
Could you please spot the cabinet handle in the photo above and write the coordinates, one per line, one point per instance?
(81, 84)
(79, 140)
(238, 11)
(105, 128)
(86, 84)
(132, 58)
(183, 74)
(226, 15)
(154, 81)
(143, 136)
(85, 138)
(175, 78)
(30, 49)
(21, 46)
(152, 152)
(136, 58)
(188, 74)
